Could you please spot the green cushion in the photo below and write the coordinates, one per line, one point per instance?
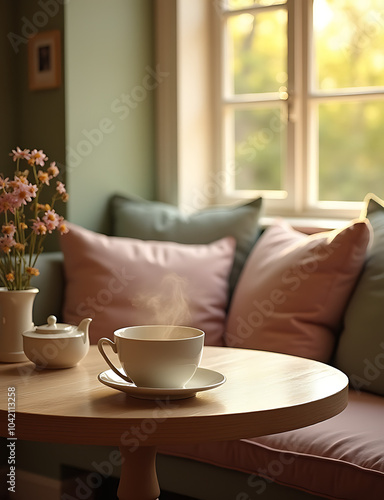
(152, 220)
(360, 353)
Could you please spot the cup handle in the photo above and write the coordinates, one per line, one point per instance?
(100, 343)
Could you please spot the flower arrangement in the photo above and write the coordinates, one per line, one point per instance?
(22, 233)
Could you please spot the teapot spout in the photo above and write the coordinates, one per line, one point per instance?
(84, 327)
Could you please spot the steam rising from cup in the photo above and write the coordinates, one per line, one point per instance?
(170, 305)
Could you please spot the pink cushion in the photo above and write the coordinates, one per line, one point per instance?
(294, 288)
(123, 282)
(339, 458)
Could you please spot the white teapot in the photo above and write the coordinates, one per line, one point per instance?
(57, 345)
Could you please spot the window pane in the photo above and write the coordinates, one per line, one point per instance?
(351, 150)
(240, 4)
(257, 52)
(348, 43)
(259, 148)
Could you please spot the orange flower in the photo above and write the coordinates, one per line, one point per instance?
(32, 271)
(43, 177)
(45, 207)
(9, 229)
(10, 277)
(53, 171)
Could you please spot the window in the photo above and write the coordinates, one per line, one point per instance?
(301, 105)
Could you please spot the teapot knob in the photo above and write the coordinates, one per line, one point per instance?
(52, 321)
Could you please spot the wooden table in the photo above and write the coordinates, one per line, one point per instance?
(264, 393)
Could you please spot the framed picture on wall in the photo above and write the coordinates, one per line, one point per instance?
(44, 60)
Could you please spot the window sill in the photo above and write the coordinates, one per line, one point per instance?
(310, 223)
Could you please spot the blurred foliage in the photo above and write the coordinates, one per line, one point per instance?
(348, 53)
(260, 147)
(351, 150)
(348, 43)
(258, 41)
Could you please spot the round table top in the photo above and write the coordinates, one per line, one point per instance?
(264, 393)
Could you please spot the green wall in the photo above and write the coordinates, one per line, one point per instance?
(103, 145)
(110, 143)
(8, 79)
(42, 112)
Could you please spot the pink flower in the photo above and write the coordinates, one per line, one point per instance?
(15, 183)
(22, 196)
(18, 154)
(4, 183)
(21, 179)
(23, 191)
(38, 158)
(51, 220)
(60, 188)
(38, 227)
(62, 227)
(32, 191)
(6, 243)
(53, 171)
(8, 203)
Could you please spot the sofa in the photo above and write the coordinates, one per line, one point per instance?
(303, 292)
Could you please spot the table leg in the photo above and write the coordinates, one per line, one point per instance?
(138, 480)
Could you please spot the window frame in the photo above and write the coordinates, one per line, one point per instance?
(224, 103)
(177, 182)
(301, 173)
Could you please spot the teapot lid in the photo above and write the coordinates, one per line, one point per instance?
(53, 327)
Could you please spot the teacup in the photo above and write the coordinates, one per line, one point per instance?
(157, 356)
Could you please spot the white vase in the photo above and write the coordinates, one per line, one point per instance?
(16, 317)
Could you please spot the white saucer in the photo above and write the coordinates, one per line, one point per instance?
(203, 380)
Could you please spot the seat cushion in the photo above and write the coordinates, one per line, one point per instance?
(340, 458)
